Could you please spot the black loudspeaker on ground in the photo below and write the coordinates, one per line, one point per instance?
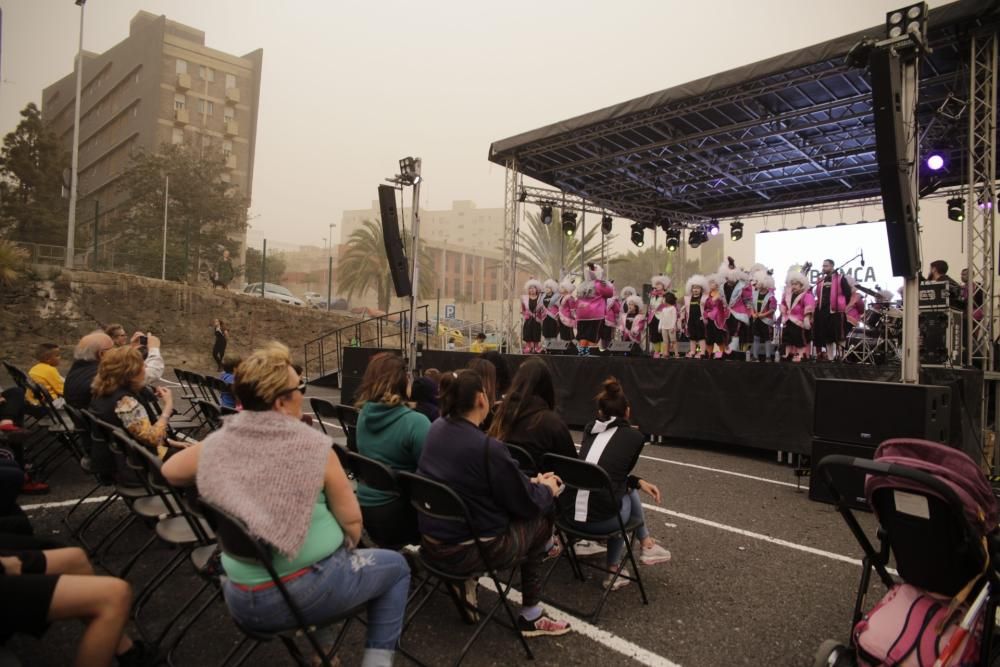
(399, 268)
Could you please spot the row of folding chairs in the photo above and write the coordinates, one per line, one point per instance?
(331, 415)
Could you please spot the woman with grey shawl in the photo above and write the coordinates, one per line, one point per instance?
(282, 479)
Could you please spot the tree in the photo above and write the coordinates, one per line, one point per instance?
(204, 214)
(31, 164)
(364, 266)
(544, 251)
(276, 266)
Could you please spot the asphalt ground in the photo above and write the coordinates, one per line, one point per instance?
(760, 575)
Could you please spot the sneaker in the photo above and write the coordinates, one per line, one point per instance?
(32, 488)
(585, 548)
(553, 552)
(543, 626)
(466, 599)
(619, 583)
(653, 555)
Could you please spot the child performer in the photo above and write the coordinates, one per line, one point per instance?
(591, 303)
(612, 310)
(855, 305)
(532, 311)
(716, 315)
(737, 293)
(632, 322)
(692, 315)
(763, 305)
(668, 325)
(656, 304)
(567, 310)
(797, 306)
(550, 301)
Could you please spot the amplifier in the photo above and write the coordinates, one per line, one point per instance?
(940, 340)
(936, 295)
(624, 348)
(867, 413)
(557, 346)
(850, 483)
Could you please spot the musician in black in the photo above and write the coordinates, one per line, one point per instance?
(939, 273)
(832, 293)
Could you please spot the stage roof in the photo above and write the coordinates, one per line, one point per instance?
(793, 130)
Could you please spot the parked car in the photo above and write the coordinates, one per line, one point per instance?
(273, 292)
(315, 300)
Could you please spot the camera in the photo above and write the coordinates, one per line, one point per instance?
(143, 340)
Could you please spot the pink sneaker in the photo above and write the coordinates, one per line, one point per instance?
(543, 626)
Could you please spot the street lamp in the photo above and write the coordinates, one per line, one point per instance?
(71, 231)
(329, 267)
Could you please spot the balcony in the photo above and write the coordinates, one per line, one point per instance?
(232, 95)
(181, 117)
(230, 161)
(232, 128)
(184, 81)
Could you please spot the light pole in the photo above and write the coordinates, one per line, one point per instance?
(71, 232)
(329, 268)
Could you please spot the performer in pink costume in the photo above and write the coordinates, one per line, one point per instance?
(716, 314)
(797, 307)
(631, 321)
(692, 321)
(532, 312)
(591, 304)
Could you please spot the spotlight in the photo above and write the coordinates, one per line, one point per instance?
(713, 227)
(911, 19)
(638, 235)
(935, 161)
(522, 195)
(673, 240)
(696, 237)
(736, 230)
(956, 209)
(569, 223)
(606, 224)
(546, 215)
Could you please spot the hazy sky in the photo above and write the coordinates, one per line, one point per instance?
(348, 88)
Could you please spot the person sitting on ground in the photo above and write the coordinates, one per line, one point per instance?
(46, 372)
(393, 434)
(153, 359)
(527, 415)
(611, 443)
(511, 512)
(229, 364)
(86, 358)
(120, 378)
(281, 478)
(488, 374)
(479, 345)
(59, 584)
(424, 394)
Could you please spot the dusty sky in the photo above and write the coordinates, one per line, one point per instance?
(350, 87)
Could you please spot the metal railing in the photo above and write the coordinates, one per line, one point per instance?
(325, 354)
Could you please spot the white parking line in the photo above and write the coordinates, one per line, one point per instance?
(720, 471)
(62, 503)
(602, 637)
(313, 414)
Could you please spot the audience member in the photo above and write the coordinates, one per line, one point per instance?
(488, 374)
(393, 434)
(613, 444)
(117, 334)
(86, 357)
(46, 372)
(152, 359)
(281, 478)
(433, 374)
(502, 372)
(120, 378)
(12, 440)
(510, 511)
(527, 416)
(229, 364)
(424, 393)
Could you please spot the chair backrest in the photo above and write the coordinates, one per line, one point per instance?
(524, 460)
(234, 536)
(17, 375)
(102, 458)
(372, 473)
(348, 416)
(324, 410)
(578, 474)
(433, 499)
(210, 412)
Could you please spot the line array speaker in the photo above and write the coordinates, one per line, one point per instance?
(399, 268)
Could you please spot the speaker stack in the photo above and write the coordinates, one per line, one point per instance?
(399, 268)
(852, 417)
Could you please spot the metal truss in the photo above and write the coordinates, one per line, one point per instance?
(510, 333)
(981, 195)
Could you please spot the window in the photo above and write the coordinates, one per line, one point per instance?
(180, 101)
(206, 141)
(458, 287)
(182, 66)
(229, 113)
(206, 73)
(227, 147)
(493, 292)
(206, 107)
(178, 136)
(230, 81)
(224, 178)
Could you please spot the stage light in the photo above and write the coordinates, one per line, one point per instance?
(522, 195)
(638, 235)
(546, 215)
(956, 209)
(911, 19)
(935, 162)
(736, 230)
(696, 237)
(673, 240)
(569, 223)
(606, 224)
(713, 227)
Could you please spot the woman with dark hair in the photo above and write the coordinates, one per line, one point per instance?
(488, 374)
(510, 511)
(613, 444)
(502, 372)
(527, 415)
(392, 433)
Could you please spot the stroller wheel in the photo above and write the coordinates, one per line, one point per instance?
(832, 653)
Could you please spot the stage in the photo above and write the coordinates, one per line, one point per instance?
(762, 405)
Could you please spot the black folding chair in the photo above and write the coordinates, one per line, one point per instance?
(66, 437)
(211, 414)
(348, 415)
(525, 461)
(583, 476)
(380, 477)
(217, 387)
(325, 412)
(237, 542)
(436, 500)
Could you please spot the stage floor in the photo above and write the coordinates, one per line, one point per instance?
(761, 405)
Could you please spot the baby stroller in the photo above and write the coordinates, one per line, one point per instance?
(937, 517)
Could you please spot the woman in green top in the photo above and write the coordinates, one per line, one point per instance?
(281, 478)
(392, 433)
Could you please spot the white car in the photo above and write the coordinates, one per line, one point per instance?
(315, 300)
(273, 292)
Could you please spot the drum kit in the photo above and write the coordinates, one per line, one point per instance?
(878, 337)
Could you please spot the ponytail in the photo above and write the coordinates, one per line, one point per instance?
(611, 402)
(458, 391)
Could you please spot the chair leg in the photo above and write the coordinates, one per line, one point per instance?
(176, 642)
(160, 578)
(253, 647)
(484, 621)
(635, 567)
(180, 612)
(135, 557)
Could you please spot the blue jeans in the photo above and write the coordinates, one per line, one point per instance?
(631, 508)
(336, 584)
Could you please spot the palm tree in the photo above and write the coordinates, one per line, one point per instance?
(364, 266)
(544, 251)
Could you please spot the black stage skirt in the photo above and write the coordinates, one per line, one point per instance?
(714, 335)
(761, 330)
(589, 330)
(653, 329)
(550, 327)
(696, 329)
(828, 328)
(531, 332)
(736, 328)
(794, 335)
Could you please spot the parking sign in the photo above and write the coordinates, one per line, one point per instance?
(449, 312)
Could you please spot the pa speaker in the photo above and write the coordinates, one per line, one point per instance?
(867, 413)
(894, 169)
(624, 348)
(557, 346)
(850, 483)
(399, 268)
